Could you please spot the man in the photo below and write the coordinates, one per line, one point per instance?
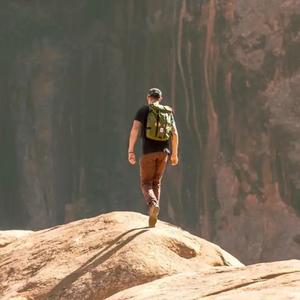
(154, 159)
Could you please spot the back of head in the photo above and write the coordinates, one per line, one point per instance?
(154, 93)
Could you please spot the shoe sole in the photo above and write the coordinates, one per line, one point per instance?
(153, 216)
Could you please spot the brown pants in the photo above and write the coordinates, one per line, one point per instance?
(152, 168)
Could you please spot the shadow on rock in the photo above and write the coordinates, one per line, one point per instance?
(94, 261)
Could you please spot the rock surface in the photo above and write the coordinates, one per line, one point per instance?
(73, 73)
(9, 236)
(115, 256)
(268, 281)
(97, 257)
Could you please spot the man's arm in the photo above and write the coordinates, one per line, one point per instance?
(175, 142)
(134, 133)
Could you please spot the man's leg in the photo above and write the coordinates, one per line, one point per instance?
(147, 172)
(148, 167)
(160, 167)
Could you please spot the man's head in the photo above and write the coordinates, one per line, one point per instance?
(154, 94)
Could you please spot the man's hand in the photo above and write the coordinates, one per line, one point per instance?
(174, 159)
(131, 158)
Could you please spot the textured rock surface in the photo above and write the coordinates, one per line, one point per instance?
(268, 281)
(9, 236)
(97, 257)
(114, 256)
(73, 73)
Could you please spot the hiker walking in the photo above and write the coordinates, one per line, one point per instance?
(158, 131)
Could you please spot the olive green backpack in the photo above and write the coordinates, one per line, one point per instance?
(159, 122)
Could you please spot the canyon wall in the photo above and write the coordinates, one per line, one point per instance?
(73, 74)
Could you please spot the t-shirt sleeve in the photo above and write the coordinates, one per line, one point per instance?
(140, 114)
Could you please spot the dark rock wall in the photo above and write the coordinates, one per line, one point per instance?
(73, 73)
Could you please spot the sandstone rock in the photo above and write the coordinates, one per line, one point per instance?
(115, 256)
(229, 68)
(9, 236)
(269, 281)
(95, 258)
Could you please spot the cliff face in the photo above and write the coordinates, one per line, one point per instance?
(74, 73)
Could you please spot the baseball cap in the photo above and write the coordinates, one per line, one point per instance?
(155, 92)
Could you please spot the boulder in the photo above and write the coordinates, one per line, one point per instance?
(116, 256)
(98, 257)
(266, 281)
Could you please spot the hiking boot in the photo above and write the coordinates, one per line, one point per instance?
(153, 214)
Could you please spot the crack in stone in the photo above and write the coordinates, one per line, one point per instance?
(256, 280)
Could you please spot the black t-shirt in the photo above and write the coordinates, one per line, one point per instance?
(150, 146)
